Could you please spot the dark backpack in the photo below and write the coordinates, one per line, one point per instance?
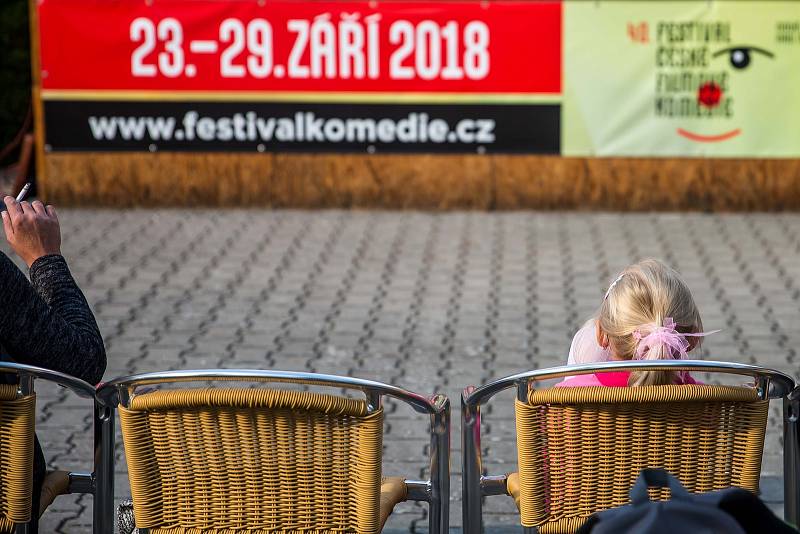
(729, 511)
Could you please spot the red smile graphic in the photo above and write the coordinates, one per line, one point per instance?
(709, 95)
(709, 138)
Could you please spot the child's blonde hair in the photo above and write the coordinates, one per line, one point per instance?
(640, 299)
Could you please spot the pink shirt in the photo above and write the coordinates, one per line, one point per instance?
(614, 379)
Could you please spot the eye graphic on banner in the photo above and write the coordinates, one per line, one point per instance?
(740, 55)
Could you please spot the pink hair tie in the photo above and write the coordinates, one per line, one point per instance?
(667, 336)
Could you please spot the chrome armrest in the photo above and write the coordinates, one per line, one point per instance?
(28, 373)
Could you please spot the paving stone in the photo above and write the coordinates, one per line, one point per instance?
(429, 301)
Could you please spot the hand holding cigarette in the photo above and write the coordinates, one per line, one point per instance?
(31, 229)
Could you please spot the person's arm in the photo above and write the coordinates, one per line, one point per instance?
(47, 322)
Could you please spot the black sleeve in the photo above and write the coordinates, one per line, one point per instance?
(47, 322)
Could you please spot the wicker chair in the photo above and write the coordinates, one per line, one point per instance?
(226, 459)
(580, 449)
(17, 425)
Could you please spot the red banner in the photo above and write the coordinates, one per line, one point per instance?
(280, 45)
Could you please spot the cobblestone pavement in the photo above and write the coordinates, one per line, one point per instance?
(431, 302)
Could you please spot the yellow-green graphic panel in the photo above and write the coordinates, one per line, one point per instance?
(692, 78)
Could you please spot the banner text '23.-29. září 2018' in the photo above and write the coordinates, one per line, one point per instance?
(632, 78)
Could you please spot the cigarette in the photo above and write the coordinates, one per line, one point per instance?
(23, 192)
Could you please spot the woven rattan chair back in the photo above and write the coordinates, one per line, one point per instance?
(17, 418)
(223, 460)
(580, 449)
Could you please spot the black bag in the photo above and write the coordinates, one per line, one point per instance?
(729, 511)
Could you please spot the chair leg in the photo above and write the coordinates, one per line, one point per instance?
(471, 498)
(791, 457)
(104, 470)
(21, 528)
(439, 509)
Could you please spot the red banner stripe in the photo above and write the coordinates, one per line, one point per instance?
(280, 46)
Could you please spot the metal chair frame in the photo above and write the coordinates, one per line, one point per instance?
(92, 483)
(435, 491)
(770, 384)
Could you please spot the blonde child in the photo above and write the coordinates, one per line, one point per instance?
(648, 313)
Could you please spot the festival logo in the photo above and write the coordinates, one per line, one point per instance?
(682, 78)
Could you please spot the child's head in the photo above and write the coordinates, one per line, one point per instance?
(645, 297)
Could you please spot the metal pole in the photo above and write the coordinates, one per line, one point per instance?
(26, 384)
(104, 469)
(472, 469)
(439, 499)
(791, 457)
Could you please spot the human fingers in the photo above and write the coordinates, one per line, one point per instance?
(38, 207)
(25, 206)
(12, 206)
(51, 211)
(7, 226)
